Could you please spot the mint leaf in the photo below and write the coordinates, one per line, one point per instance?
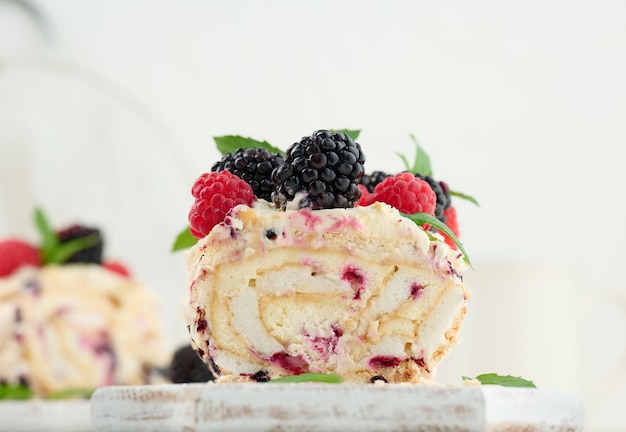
(19, 392)
(421, 162)
(465, 197)
(63, 251)
(75, 393)
(232, 143)
(502, 380)
(49, 239)
(425, 218)
(310, 377)
(354, 134)
(184, 240)
(52, 250)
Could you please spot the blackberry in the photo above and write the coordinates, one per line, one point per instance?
(326, 166)
(443, 195)
(92, 254)
(187, 367)
(371, 180)
(254, 166)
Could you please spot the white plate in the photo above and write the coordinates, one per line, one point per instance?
(324, 407)
(45, 416)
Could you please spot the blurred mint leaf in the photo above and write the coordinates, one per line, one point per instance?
(465, 197)
(354, 134)
(425, 218)
(19, 392)
(52, 250)
(310, 377)
(64, 251)
(184, 240)
(421, 162)
(49, 240)
(75, 393)
(232, 143)
(502, 380)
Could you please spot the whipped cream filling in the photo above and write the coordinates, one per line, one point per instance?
(358, 292)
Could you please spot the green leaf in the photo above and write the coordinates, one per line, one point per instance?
(49, 239)
(232, 143)
(465, 197)
(502, 380)
(20, 392)
(184, 240)
(425, 218)
(75, 393)
(354, 134)
(421, 162)
(64, 251)
(310, 377)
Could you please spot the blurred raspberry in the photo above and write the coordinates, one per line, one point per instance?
(216, 193)
(15, 254)
(452, 223)
(366, 196)
(117, 267)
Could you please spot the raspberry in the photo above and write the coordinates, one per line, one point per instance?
(325, 166)
(407, 193)
(15, 254)
(366, 196)
(253, 165)
(371, 180)
(117, 267)
(91, 254)
(452, 223)
(216, 194)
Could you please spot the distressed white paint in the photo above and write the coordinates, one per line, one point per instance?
(322, 407)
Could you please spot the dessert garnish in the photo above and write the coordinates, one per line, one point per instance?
(309, 377)
(327, 167)
(502, 380)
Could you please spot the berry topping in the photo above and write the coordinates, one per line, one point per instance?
(92, 254)
(325, 166)
(406, 193)
(15, 254)
(366, 196)
(216, 194)
(371, 180)
(443, 195)
(452, 223)
(254, 166)
(187, 367)
(117, 267)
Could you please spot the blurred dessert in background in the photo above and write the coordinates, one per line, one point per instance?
(72, 321)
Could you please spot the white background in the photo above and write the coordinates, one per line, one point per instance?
(107, 116)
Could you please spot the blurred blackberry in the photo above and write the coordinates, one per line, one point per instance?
(92, 254)
(325, 166)
(187, 367)
(254, 166)
(442, 193)
(371, 180)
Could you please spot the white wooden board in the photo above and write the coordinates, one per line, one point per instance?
(323, 407)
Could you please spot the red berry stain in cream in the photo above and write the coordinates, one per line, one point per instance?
(293, 365)
(325, 346)
(383, 361)
(310, 219)
(417, 290)
(344, 222)
(201, 323)
(356, 278)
